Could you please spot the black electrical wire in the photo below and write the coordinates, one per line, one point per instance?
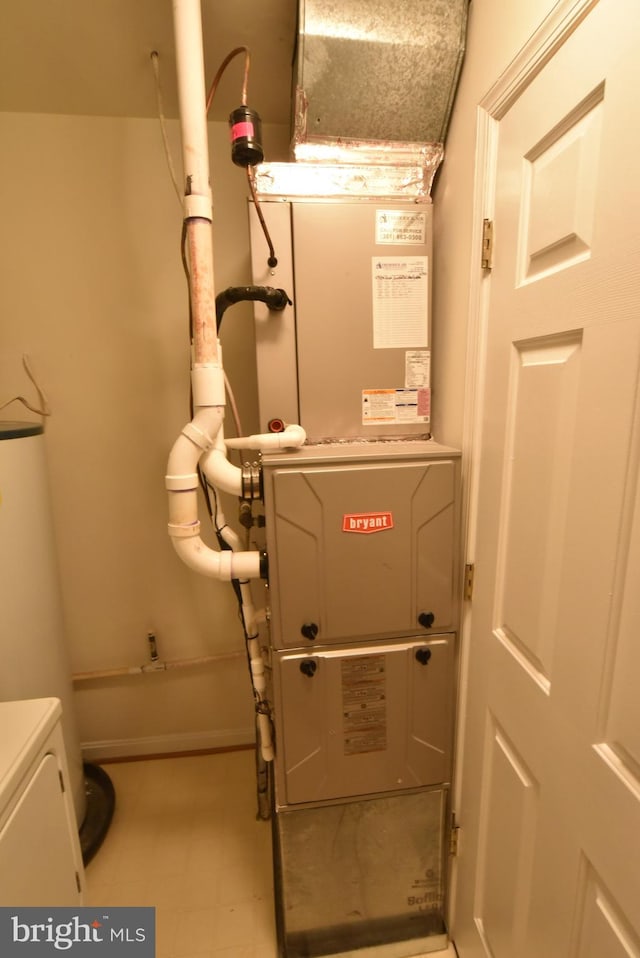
(185, 265)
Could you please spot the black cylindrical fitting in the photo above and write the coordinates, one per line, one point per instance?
(246, 137)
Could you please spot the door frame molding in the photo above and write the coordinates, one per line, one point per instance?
(551, 35)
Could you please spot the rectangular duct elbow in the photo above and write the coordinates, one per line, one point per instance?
(374, 73)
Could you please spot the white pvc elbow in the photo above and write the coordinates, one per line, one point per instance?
(226, 565)
(197, 438)
(293, 436)
(221, 473)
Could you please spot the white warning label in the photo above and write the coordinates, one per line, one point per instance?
(417, 368)
(391, 406)
(364, 704)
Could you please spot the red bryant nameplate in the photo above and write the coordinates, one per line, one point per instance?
(367, 522)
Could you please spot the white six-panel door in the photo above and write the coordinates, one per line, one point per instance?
(549, 863)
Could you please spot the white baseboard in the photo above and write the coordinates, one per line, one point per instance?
(398, 949)
(166, 744)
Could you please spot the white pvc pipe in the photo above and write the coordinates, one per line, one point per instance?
(221, 473)
(202, 438)
(195, 156)
(292, 437)
(182, 483)
(187, 25)
(256, 661)
(203, 301)
(200, 435)
(197, 437)
(217, 565)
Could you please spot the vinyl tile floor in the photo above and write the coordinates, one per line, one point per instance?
(185, 839)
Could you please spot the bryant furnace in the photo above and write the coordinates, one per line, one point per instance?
(362, 532)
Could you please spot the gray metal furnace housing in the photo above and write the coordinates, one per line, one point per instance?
(363, 580)
(362, 532)
(351, 357)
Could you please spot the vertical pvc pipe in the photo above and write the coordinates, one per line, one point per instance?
(195, 153)
(207, 374)
(191, 94)
(203, 305)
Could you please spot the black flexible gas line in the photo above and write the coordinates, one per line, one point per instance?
(275, 299)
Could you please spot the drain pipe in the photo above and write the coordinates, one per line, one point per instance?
(207, 375)
(254, 652)
(197, 198)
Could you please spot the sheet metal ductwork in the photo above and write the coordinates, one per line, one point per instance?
(372, 73)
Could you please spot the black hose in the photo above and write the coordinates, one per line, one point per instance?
(275, 299)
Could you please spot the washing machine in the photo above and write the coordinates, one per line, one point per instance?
(32, 633)
(40, 856)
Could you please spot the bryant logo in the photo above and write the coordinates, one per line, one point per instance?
(367, 522)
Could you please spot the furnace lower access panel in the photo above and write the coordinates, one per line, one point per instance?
(363, 720)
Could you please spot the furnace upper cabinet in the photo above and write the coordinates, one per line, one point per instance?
(361, 547)
(351, 357)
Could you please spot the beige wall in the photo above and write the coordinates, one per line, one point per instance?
(93, 291)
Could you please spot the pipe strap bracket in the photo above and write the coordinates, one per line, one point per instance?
(197, 206)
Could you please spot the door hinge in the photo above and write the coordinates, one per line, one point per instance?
(60, 776)
(487, 244)
(469, 572)
(454, 836)
(78, 884)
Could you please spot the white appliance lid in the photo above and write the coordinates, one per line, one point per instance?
(24, 727)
